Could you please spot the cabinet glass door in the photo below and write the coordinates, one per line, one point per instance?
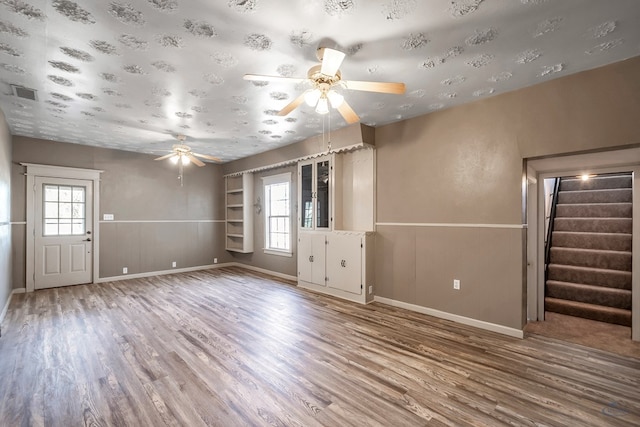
(322, 194)
(306, 201)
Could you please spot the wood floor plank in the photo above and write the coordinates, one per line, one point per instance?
(231, 347)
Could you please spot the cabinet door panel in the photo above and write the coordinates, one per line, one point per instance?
(311, 258)
(319, 259)
(322, 194)
(344, 263)
(305, 251)
(306, 196)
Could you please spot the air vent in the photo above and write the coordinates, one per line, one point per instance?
(24, 92)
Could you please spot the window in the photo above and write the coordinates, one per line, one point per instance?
(277, 209)
(64, 210)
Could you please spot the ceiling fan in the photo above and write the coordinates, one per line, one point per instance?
(325, 79)
(181, 153)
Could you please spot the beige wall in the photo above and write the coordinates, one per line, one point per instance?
(5, 212)
(157, 221)
(449, 187)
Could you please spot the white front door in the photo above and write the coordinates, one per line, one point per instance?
(63, 232)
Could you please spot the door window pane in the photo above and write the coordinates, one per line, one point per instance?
(306, 185)
(64, 210)
(322, 197)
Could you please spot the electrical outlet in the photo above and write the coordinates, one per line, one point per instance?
(173, 264)
(370, 290)
(215, 260)
(125, 270)
(456, 284)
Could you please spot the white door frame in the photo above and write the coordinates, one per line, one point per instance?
(623, 160)
(36, 170)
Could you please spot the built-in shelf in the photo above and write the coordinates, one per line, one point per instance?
(239, 216)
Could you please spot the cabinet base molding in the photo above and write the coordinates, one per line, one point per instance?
(326, 290)
(481, 324)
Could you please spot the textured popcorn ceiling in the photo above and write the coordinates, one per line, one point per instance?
(131, 74)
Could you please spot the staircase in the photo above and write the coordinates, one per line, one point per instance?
(589, 271)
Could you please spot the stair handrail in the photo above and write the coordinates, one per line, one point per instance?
(552, 216)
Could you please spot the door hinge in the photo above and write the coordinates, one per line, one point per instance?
(361, 245)
(34, 188)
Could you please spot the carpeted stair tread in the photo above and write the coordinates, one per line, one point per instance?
(596, 183)
(612, 260)
(590, 276)
(585, 240)
(591, 294)
(594, 210)
(618, 195)
(589, 311)
(594, 225)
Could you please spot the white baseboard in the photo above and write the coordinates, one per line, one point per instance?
(6, 306)
(512, 332)
(197, 268)
(163, 272)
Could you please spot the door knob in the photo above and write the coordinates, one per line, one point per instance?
(87, 240)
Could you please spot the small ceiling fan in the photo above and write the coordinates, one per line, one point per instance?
(325, 79)
(182, 154)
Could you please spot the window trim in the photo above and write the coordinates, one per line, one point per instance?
(270, 180)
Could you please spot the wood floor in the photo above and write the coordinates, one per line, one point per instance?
(228, 347)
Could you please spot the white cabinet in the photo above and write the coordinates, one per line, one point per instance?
(315, 183)
(311, 258)
(344, 263)
(337, 263)
(239, 214)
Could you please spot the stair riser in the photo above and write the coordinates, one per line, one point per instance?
(611, 279)
(596, 196)
(590, 294)
(593, 225)
(604, 241)
(602, 210)
(598, 183)
(608, 260)
(616, 318)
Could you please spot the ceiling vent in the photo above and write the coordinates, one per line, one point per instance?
(24, 93)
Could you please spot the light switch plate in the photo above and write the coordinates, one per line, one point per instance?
(107, 217)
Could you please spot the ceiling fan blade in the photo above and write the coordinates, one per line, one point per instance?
(292, 105)
(206, 156)
(166, 156)
(331, 61)
(262, 78)
(347, 112)
(382, 87)
(194, 159)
